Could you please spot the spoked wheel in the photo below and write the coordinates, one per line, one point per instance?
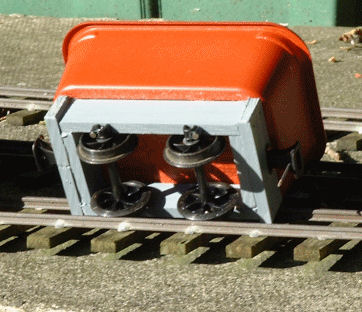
(221, 200)
(194, 150)
(135, 197)
(104, 146)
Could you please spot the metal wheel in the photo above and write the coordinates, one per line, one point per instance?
(221, 200)
(134, 198)
(105, 148)
(193, 149)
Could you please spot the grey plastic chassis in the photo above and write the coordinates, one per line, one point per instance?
(242, 122)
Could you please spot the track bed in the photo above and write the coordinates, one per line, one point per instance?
(321, 214)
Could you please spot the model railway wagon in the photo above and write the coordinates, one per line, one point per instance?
(184, 120)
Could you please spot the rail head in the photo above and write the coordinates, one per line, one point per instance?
(181, 225)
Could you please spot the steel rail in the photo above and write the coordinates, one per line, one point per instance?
(24, 98)
(186, 226)
(319, 215)
(25, 104)
(354, 124)
(337, 212)
(345, 168)
(348, 113)
(344, 216)
(341, 125)
(43, 94)
(335, 218)
(45, 203)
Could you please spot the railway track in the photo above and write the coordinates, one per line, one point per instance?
(22, 98)
(334, 119)
(63, 220)
(45, 223)
(323, 228)
(175, 225)
(342, 119)
(318, 215)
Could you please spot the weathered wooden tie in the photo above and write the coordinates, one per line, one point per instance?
(49, 237)
(249, 247)
(182, 244)
(113, 241)
(313, 249)
(24, 117)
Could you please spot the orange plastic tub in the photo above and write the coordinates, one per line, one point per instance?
(197, 61)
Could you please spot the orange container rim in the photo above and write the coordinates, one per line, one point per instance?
(286, 32)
